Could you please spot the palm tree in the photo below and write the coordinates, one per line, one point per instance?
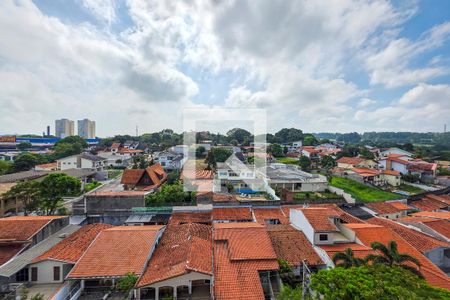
(347, 259)
(391, 257)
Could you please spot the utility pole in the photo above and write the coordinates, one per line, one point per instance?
(137, 131)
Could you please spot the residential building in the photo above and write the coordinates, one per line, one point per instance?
(269, 216)
(86, 129)
(114, 253)
(232, 214)
(171, 160)
(291, 177)
(181, 266)
(356, 162)
(395, 151)
(64, 128)
(393, 162)
(82, 161)
(148, 179)
(245, 263)
(388, 210)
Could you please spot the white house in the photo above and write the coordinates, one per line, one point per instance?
(171, 160)
(82, 161)
(395, 151)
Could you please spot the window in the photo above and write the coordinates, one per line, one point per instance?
(34, 274)
(56, 273)
(323, 237)
(22, 275)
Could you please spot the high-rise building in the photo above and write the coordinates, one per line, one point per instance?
(86, 129)
(64, 128)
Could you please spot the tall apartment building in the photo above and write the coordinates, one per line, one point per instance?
(86, 129)
(64, 128)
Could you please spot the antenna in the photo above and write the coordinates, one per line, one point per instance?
(137, 131)
(445, 128)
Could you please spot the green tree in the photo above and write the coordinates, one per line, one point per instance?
(28, 192)
(65, 149)
(289, 135)
(169, 193)
(221, 154)
(210, 160)
(276, 150)
(372, 282)
(365, 153)
(74, 139)
(200, 152)
(390, 256)
(239, 134)
(328, 162)
(173, 177)
(26, 161)
(24, 146)
(290, 293)
(304, 162)
(127, 282)
(5, 167)
(54, 187)
(309, 140)
(347, 259)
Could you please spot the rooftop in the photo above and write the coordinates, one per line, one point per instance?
(131, 247)
(292, 245)
(72, 248)
(383, 207)
(264, 215)
(428, 204)
(150, 178)
(350, 160)
(321, 218)
(232, 213)
(22, 228)
(433, 214)
(178, 218)
(182, 249)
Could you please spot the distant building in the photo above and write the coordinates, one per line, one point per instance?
(86, 129)
(64, 128)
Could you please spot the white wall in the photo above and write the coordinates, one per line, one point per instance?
(341, 192)
(67, 163)
(45, 271)
(299, 221)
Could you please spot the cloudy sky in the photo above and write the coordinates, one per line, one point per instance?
(322, 66)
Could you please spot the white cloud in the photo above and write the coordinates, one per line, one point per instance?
(104, 10)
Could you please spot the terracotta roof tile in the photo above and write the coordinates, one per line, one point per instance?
(418, 240)
(117, 251)
(72, 247)
(433, 214)
(350, 160)
(321, 218)
(359, 251)
(292, 245)
(441, 198)
(263, 215)
(391, 172)
(179, 218)
(134, 177)
(429, 204)
(400, 206)
(440, 226)
(9, 251)
(197, 174)
(383, 207)
(376, 233)
(22, 228)
(232, 213)
(182, 249)
(239, 253)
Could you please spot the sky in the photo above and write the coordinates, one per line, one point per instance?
(321, 66)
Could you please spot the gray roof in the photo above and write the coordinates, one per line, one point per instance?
(92, 157)
(288, 173)
(23, 259)
(25, 175)
(139, 218)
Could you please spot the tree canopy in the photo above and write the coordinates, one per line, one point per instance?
(54, 187)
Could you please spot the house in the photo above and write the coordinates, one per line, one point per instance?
(388, 210)
(292, 246)
(171, 160)
(46, 167)
(292, 178)
(181, 266)
(53, 265)
(438, 228)
(310, 152)
(355, 162)
(366, 175)
(424, 170)
(392, 177)
(82, 161)
(148, 179)
(269, 216)
(114, 252)
(396, 151)
(245, 263)
(430, 202)
(432, 248)
(392, 162)
(232, 214)
(180, 149)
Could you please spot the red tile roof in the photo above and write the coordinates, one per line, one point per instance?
(320, 218)
(292, 245)
(344, 216)
(359, 251)
(391, 172)
(216, 197)
(265, 214)
(117, 251)
(422, 242)
(240, 251)
(72, 247)
(400, 206)
(428, 204)
(375, 233)
(440, 226)
(441, 198)
(48, 166)
(366, 172)
(9, 251)
(178, 218)
(182, 249)
(433, 214)
(350, 160)
(232, 213)
(22, 228)
(155, 173)
(197, 174)
(383, 207)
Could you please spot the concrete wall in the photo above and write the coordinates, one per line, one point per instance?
(103, 204)
(341, 192)
(299, 221)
